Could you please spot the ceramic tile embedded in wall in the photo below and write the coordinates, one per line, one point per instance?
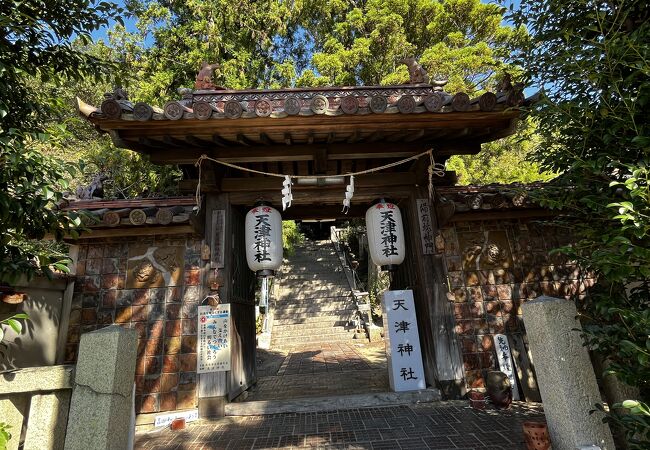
(453, 263)
(485, 343)
(172, 345)
(149, 404)
(169, 382)
(456, 279)
(171, 363)
(188, 344)
(167, 401)
(186, 399)
(187, 381)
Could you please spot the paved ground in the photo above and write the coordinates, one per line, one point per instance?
(441, 425)
(318, 370)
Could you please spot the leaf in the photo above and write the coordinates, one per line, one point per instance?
(15, 325)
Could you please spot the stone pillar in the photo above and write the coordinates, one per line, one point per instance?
(565, 375)
(14, 409)
(102, 396)
(48, 416)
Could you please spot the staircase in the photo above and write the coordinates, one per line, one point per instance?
(313, 302)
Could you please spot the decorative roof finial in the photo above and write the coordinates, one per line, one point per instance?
(204, 77)
(417, 73)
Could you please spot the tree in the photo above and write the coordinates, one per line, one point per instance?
(314, 42)
(35, 42)
(505, 161)
(594, 59)
(462, 41)
(273, 44)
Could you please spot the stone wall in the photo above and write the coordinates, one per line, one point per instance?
(493, 268)
(152, 285)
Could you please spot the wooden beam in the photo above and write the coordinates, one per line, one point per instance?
(414, 136)
(217, 139)
(241, 154)
(362, 196)
(374, 180)
(244, 140)
(266, 139)
(198, 142)
(136, 231)
(319, 212)
(457, 148)
(174, 142)
(320, 161)
(355, 137)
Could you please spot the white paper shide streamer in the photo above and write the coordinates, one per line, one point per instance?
(349, 193)
(287, 196)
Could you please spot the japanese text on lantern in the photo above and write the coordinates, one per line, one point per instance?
(214, 339)
(426, 229)
(406, 372)
(387, 228)
(505, 361)
(262, 234)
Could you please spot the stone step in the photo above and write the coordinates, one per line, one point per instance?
(318, 307)
(331, 403)
(341, 327)
(330, 320)
(333, 302)
(303, 277)
(305, 296)
(291, 341)
(286, 272)
(298, 317)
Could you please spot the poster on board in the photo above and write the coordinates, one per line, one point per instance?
(214, 339)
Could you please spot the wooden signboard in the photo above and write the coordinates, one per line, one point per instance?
(426, 228)
(505, 362)
(218, 238)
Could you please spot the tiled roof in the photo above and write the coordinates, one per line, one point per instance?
(280, 103)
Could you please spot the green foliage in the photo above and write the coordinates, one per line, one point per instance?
(127, 174)
(378, 282)
(35, 45)
(291, 236)
(30, 190)
(505, 161)
(633, 417)
(259, 324)
(273, 43)
(594, 58)
(12, 322)
(5, 435)
(463, 41)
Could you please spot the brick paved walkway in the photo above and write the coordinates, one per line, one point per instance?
(317, 370)
(442, 425)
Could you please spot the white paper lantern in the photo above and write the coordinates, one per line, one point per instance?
(263, 239)
(385, 234)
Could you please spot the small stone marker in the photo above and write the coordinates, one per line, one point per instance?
(405, 370)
